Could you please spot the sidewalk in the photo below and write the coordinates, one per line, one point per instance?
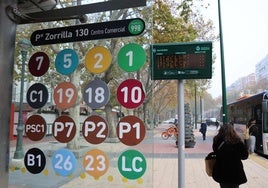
(164, 171)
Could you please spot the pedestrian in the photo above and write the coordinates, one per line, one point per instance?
(230, 150)
(203, 129)
(253, 131)
(217, 124)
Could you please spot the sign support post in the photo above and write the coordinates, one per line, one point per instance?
(179, 61)
(181, 140)
(7, 45)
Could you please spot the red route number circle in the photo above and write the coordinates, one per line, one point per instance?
(38, 64)
(130, 93)
(35, 127)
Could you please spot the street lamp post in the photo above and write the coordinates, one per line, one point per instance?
(224, 101)
(24, 44)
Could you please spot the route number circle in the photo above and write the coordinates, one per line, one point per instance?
(66, 61)
(132, 164)
(35, 160)
(98, 59)
(35, 127)
(130, 130)
(96, 163)
(96, 94)
(64, 162)
(95, 129)
(136, 26)
(64, 129)
(130, 93)
(38, 64)
(131, 57)
(37, 95)
(65, 95)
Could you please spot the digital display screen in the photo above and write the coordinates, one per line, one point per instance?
(181, 61)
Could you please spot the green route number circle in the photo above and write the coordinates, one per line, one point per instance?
(136, 27)
(131, 57)
(132, 164)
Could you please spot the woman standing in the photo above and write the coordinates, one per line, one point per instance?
(253, 131)
(230, 150)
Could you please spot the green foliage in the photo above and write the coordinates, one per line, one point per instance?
(170, 28)
(181, 22)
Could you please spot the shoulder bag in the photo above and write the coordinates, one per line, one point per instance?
(210, 161)
(246, 133)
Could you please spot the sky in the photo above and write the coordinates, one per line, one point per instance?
(245, 38)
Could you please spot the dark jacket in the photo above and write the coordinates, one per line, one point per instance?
(203, 128)
(253, 130)
(228, 168)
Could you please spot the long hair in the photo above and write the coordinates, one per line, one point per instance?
(228, 134)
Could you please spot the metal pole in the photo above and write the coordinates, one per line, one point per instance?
(7, 45)
(195, 108)
(201, 112)
(224, 101)
(181, 136)
(19, 153)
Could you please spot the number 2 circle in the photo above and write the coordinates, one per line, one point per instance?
(98, 59)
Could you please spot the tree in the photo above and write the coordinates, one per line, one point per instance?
(179, 22)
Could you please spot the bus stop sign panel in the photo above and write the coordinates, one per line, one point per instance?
(181, 61)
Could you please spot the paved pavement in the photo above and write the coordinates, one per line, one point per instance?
(162, 170)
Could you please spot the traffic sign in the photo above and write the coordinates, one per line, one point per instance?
(181, 61)
(103, 30)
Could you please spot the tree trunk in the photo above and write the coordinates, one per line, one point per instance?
(75, 111)
(110, 121)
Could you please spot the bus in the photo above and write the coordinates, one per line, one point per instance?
(247, 107)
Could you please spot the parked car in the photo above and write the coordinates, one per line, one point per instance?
(211, 121)
(169, 121)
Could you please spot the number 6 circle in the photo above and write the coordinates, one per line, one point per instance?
(64, 162)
